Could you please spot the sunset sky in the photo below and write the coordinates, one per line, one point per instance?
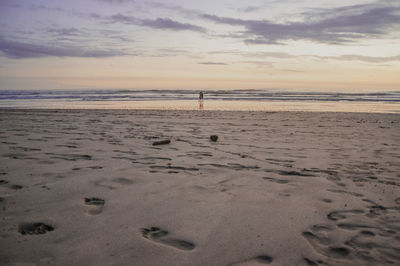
(345, 45)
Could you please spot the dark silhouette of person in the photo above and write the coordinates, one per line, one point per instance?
(201, 96)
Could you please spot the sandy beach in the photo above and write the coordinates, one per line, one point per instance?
(88, 187)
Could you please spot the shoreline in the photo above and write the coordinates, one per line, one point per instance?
(214, 105)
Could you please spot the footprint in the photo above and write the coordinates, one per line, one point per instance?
(310, 262)
(95, 205)
(169, 166)
(115, 183)
(10, 186)
(261, 259)
(2, 201)
(363, 241)
(158, 235)
(326, 200)
(397, 200)
(350, 226)
(376, 210)
(294, 173)
(322, 227)
(339, 215)
(15, 187)
(322, 246)
(345, 192)
(95, 167)
(123, 181)
(34, 228)
(279, 181)
(369, 236)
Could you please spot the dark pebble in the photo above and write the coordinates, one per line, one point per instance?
(161, 142)
(214, 137)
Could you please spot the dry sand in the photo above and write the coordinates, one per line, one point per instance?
(287, 188)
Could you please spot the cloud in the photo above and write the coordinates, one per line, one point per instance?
(64, 31)
(346, 57)
(169, 24)
(258, 55)
(9, 3)
(336, 26)
(271, 54)
(362, 58)
(282, 55)
(150, 5)
(117, 1)
(158, 23)
(259, 63)
(35, 7)
(226, 20)
(83, 35)
(250, 9)
(213, 63)
(119, 18)
(19, 50)
(166, 52)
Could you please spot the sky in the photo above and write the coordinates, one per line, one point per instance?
(343, 45)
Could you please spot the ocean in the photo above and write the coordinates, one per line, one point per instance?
(249, 100)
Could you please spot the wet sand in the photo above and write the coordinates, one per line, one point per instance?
(88, 187)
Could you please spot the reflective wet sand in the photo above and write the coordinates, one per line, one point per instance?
(214, 105)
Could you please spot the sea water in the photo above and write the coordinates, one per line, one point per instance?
(248, 100)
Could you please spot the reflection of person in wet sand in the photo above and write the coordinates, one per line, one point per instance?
(201, 96)
(201, 105)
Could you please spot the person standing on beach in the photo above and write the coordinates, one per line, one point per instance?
(201, 106)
